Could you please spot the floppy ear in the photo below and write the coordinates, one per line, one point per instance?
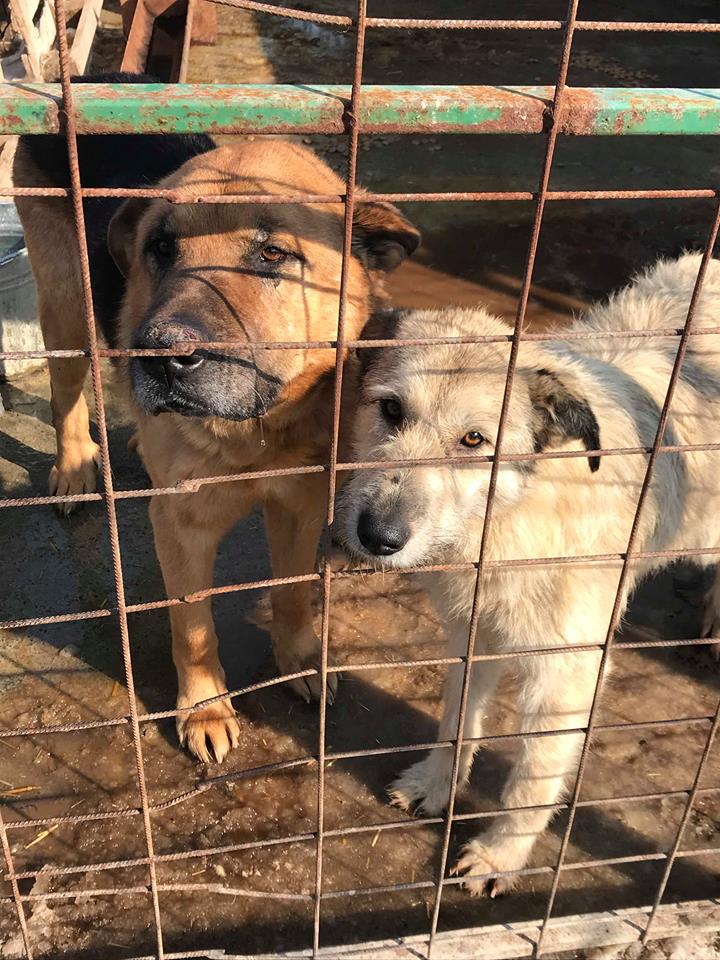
(382, 237)
(560, 413)
(381, 326)
(121, 232)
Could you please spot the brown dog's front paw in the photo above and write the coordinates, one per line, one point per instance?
(210, 733)
(75, 472)
(309, 687)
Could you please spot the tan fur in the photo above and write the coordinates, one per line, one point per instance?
(557, 508)
(236, 305)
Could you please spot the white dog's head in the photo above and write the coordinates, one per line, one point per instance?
(442, 402)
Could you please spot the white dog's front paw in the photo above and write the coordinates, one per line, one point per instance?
(424, 787)
(481, 862)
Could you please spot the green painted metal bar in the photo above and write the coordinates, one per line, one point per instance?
(282, 108)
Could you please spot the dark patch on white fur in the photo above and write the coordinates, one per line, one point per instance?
(382, 325)
(559, 415)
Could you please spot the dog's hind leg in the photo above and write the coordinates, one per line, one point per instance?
(425, 786)
(711, 619)
(294, 519)
(555, 694)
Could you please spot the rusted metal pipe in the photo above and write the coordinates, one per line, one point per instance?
(285, 108)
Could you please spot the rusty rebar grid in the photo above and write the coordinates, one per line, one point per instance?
(554, 336)
(89, 317)
(552, 133)
(192, 486)
(619, 596)
(351, 171)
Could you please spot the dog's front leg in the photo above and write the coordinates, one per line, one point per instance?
(188, 530)
(555, 693)
(425, 787)
(78, 456)
(294, 522)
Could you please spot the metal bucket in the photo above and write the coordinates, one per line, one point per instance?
(19, 326)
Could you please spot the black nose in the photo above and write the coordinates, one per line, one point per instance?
(381, 536)
(182, 365)
(170, 333)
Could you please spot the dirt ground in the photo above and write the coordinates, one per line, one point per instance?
(73, 672)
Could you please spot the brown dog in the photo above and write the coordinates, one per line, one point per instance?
(221, 272)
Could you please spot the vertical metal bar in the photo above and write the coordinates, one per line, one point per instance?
(617, 606)
(552, 135)
(187, 40)
(7, 855)
(79, 219)
(683, 823)
(351, 113)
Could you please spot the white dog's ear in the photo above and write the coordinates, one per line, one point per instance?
(559, 413)
(380, 326)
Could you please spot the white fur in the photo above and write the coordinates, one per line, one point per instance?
(559, 508)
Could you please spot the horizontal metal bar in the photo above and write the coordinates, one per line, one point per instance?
(596, 26)
(308, 837)
(427, 23)
(285, 108)
(382, 826)
(184, 348)
(462, 196)
(193, 486)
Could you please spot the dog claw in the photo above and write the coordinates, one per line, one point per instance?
(211, 733)
(473, 861)
(78, 477)
(308, 688)
(422, 789)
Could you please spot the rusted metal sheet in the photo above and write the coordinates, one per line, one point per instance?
(638, 110)
(284, 108)
(26, 109)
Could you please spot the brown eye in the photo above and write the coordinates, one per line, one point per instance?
(273, 254)
(161, 247)
(472, 439)
(392, 410)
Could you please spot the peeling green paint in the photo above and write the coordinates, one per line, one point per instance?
(284, 108)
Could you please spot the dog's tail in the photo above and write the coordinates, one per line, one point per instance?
(659, 298)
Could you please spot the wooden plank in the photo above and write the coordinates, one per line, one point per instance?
(85, 35)
(138, 37)
(142, 15)
(513, 941)
(204, 26)
(21, 17)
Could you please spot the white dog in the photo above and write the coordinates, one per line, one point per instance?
(444, 401)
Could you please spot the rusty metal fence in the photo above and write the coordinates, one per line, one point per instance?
(351, 111)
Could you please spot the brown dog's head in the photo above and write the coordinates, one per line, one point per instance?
(243, 273)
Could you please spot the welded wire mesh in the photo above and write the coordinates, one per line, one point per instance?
(119, 609)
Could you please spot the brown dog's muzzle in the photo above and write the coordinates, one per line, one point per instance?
(167, 369)
(200, 382)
